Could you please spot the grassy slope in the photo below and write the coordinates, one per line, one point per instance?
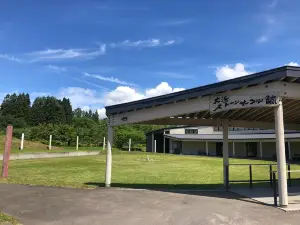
(5, 219)
(31, 146)
(131, 170)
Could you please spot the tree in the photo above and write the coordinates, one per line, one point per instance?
(78, 112)
(67, 110)
(95, 116)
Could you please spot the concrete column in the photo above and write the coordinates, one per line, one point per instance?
(154, 146)
(225, 150)
(129, 145)
(164, 144)
(233, 149)
(22, 142)
(103, 143)
(109, 157)
(152, 141)
(290, 151)
(206, 147)
(281, 160)
(50, 142)
(77, 143)
(260, 150)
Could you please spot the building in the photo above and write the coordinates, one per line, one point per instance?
(245, 143)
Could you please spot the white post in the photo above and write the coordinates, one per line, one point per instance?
(260, 150)
(206, 147)
(225, 150)
(77, 143)
(281, 160)
(154, 146)
(164, 145)
(233, 149)
(103, 143)
(50, 142)
(22, 142)
(290, 151)
(129, 145)
(152, 141)
(109, 157)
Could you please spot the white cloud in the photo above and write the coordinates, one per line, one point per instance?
(124, 94)
(109, 79)
(56, 69)
(227, 72)
(65, 54)
(161, 89)
(176, 22)
(262, 39)
(81, 97)
(92, 84)
(144, 43)
(293, 64)
(11, 58)
(175, 75)
(102, 113)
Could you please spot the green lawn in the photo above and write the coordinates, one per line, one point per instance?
(5, 219)
(132, 170)
(34, 147)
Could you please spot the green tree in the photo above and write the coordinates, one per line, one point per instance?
(95, 116)
(66, 104)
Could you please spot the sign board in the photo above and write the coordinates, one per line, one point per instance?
(227, 102)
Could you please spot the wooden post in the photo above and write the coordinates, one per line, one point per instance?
(103, 143)
(7, 148)
(22, 142)
(50, 142)
(77, 143)
(129, 145)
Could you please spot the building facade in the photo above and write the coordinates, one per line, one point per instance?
(243, 143)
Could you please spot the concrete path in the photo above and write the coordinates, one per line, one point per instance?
(42, 155)
(64, 206)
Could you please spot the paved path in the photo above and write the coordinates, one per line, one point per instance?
(64, 206)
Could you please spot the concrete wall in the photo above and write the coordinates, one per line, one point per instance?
(177, 131)
(193, 147)
(205, 130)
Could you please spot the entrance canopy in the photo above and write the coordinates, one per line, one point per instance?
(245, 102)
(267, 100)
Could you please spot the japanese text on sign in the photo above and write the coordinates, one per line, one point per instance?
(221, 103)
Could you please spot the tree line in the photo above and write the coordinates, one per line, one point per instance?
(49, 115)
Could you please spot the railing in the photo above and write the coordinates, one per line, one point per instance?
(274, 181)
(270, 180)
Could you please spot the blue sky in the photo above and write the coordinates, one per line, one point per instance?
(106, 52)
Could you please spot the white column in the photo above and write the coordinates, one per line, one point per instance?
(260, 150)
(290, 151)
(22, 142)
(233, 149)
(129, 145)
(103, 143)
(164, 144)
(206, 147)
(50, 142)
(152, 141)
(77, 143)
(281, 160)
(154, 146)
(108, 157)
(225, 150)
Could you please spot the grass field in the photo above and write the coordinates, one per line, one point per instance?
(132, 170)
(31, 147)
(7, 220)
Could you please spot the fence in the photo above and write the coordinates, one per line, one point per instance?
(251, 180)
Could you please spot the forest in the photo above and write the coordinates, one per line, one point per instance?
(49, 115)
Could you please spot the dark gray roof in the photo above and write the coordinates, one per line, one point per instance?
(281, 73)
(231, 136)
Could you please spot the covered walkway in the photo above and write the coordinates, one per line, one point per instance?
(265, 100)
